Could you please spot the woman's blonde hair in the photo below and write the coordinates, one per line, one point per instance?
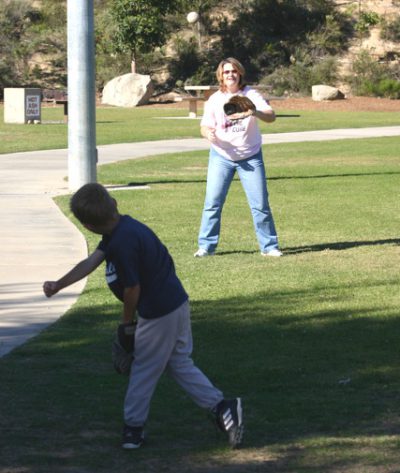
(220, 72)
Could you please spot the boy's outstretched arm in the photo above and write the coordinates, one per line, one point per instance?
(78, 272)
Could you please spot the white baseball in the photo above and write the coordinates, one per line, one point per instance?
(192, 17)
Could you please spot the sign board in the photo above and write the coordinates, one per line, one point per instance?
(32, 111)
(22, 105)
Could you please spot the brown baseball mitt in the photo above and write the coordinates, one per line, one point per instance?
(238, 104)
(123, 347)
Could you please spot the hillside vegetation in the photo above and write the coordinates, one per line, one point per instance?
(288, 45)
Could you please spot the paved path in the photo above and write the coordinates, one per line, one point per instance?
(39, 243)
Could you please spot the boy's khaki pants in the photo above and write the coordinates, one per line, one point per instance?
(163, 344)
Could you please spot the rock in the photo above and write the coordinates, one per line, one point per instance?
(326, 92)
(128, 90)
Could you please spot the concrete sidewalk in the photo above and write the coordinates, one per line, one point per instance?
(39, 243)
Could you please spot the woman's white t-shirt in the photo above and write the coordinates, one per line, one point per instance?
(238, 139)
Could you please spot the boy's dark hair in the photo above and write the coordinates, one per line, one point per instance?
(93, 205)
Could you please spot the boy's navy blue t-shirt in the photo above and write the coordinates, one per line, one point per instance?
(135, 255)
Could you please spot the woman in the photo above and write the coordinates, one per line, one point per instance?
(235, 146)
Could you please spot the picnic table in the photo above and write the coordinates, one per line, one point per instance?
(203, 92)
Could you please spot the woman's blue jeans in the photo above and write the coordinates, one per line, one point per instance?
(251, 172)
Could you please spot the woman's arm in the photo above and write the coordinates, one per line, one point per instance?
(267, 116)
(263, 110)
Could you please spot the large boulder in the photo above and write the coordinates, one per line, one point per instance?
(326, 92)
(128, 90)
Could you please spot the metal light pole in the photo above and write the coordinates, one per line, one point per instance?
(82, 152)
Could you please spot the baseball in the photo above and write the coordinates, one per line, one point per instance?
(192, 17)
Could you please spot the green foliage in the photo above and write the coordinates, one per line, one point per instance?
(366, 21)
(53, 14)
(192, 66)
(187, 60)
(109, 63)
(287, 41)
(25, 31)
(329, 38)
(302, 75)
(387, 88)
(281, 28)
(365, 67)
(374, 79)
(16, 20)
(140, 24)
(391, 30)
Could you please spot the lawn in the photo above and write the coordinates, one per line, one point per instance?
(310, 340)
(125, 125)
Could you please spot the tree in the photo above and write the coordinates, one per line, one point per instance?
(16, 19)
(271, 30)
(140, 24)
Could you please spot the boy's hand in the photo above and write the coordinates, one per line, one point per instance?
(126, 336)
(50, 288)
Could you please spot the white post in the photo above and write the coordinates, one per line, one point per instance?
(82, 152)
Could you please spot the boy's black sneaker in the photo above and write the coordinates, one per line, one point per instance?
(229, 418)
(132, 437)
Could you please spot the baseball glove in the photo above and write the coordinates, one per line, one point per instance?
(123, 348)
(239, 104)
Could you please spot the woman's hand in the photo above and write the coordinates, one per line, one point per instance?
(211, 136)
(241, 115)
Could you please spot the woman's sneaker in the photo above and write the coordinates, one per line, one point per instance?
(132, 437)
(275, 253)
(229, 418)
(201, 252)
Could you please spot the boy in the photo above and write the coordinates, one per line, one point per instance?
(141, 273)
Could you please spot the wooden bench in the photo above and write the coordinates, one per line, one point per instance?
(57, 96)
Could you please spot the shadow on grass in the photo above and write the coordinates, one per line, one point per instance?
(324, 176)
(341, 245)
(334, 246)
(311, 378)
(146, 182)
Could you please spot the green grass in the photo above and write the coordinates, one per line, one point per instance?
(125, 125)
(310, 341)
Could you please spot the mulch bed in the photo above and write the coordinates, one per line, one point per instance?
(351, 104)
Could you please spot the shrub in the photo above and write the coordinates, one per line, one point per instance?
(192, 66)
(187, 60)
(387, 88)
(375, 79)
(391, 30)
(366, 20)
(329, 38)
(301, 76)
